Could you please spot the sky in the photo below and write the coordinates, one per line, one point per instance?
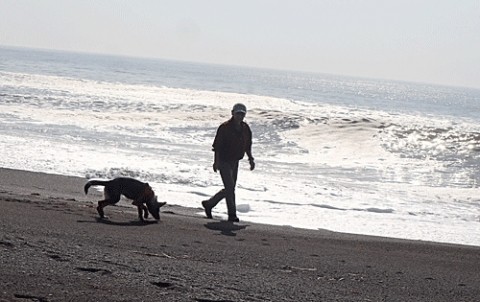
(429, 41)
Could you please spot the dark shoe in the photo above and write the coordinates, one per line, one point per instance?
(233, 219)
(208, 210)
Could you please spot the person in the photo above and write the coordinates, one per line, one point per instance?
(232, 141)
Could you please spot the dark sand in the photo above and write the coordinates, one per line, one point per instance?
(52, 248)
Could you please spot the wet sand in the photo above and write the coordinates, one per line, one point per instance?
(53, 248)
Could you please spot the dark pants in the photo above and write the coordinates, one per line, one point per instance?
(228, 171)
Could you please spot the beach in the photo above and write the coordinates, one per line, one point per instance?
(367, 156)
(53, 248)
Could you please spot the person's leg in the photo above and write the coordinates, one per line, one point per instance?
(229, 177)
(209, 204)
(215, 199)
(228, 172)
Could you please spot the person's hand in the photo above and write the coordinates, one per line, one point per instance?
(252, 164)
(215, 168)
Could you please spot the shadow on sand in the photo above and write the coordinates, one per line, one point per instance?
(120, 223)
(226, 228)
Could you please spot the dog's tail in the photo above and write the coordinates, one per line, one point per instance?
(95, 183)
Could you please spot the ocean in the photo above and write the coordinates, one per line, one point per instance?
(346, 154)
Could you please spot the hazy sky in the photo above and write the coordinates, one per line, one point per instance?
(433, 41)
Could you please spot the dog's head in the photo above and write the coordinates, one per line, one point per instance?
(153, 207)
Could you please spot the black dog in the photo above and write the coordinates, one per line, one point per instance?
(140, 192)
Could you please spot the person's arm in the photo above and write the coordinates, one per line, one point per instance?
(251, 160)
(216, 148)
(216, 160)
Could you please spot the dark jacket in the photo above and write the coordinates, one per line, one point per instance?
(231, 144)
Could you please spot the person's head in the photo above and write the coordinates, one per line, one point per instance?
(239, 111)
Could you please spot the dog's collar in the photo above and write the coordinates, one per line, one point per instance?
(148, 194)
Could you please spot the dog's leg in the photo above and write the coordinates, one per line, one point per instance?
(145, 212)
(101, 205)
(111, 198)
(142, 210)
(140, 213)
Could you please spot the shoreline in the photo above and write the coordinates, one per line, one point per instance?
(73, 190)
(53, 248)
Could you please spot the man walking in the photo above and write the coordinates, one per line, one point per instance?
(232, 141)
